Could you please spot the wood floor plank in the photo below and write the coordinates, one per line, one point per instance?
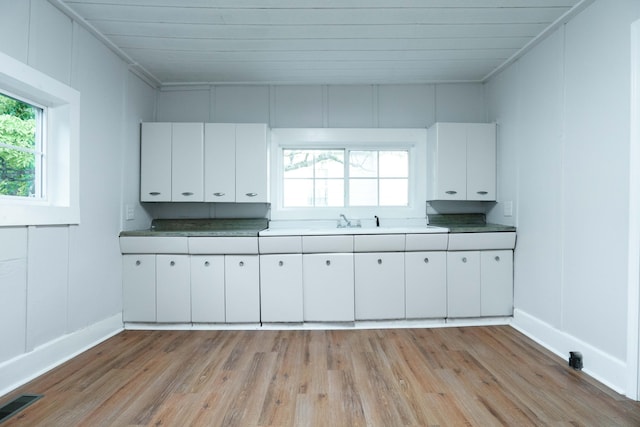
(474, 376)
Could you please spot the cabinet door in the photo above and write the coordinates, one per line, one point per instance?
(155, 162)
(379, 285)
(328, 289)
(242, 288)
(463, 284)
(481, 161)
(281, 288)
(187, 165)
(426, 284)
(207, 289)
(252, 181)
(451, 161)
(139, 288)
(173, 289)
(220, 162)
(496, 281)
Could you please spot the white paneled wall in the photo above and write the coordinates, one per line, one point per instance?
(563, 157)
(366, 106)
(60, 286)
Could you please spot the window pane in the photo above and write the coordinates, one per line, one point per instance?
(330, 164)
(298, 193)
(394, 192)
(363, 192)
(19, 159)
(330, 192)
(394, 164)
(298, 163)
(363, 164)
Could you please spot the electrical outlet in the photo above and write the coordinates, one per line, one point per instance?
(130, 213)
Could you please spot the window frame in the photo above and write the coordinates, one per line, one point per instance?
(60, 204)
(351, 139)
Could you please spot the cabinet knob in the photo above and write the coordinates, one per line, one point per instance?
(241, 263)
(218, 194)
(379, 261)
(206, 263)
(187, 193)
(280, 263)
(154, 193)
(482, 193)
(497, 258)
(328, 262)
(464, 259)
(251, 194)
(426, 260)
(451, 192)
(138, 262)
(172, 263)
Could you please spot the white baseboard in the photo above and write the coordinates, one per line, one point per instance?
(603, 367)
(22, 369)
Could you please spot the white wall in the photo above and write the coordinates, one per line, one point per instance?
(365, 106)
(61, 286)
(563, 157)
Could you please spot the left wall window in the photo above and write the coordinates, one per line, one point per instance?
(39, 147)
(22, 146)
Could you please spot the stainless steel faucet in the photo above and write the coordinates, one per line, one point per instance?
(348, 223)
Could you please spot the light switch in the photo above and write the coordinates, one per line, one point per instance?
(508, 208)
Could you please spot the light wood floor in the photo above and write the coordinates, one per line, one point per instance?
(480, 376)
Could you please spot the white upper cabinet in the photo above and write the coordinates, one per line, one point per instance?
(187, 166)
(461, 159)
(236, 163)
(155, 162)
(171, 165)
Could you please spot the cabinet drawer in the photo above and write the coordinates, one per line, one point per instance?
(280, 245)
(223, 245)
(480, 241)
(427, 242)
(379, 243)
(322, 244)
(153, 245)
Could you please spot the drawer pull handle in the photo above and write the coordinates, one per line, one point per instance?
(187, 193)
(497, 258)
(280, 263)
(451, 192)
(241, 263)
(483, 193)
(172, 263)
(252, 194)
(426, 260)
(328, 262)
(206, 263)
(154, 193)
(464, 259)
(379, 261)
(218, 194)
(138, 262)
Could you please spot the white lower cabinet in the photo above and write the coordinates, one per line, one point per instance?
(173, 289)
(242, 288)
(426, 284)
(281, 288)
(496, 283)
(139, 288)
(207, 289)
(463, 284)
(379, 285)
(328, 289)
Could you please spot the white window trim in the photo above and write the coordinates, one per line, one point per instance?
(61, 204)
(414, 140)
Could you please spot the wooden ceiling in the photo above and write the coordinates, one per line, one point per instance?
(319, 41)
